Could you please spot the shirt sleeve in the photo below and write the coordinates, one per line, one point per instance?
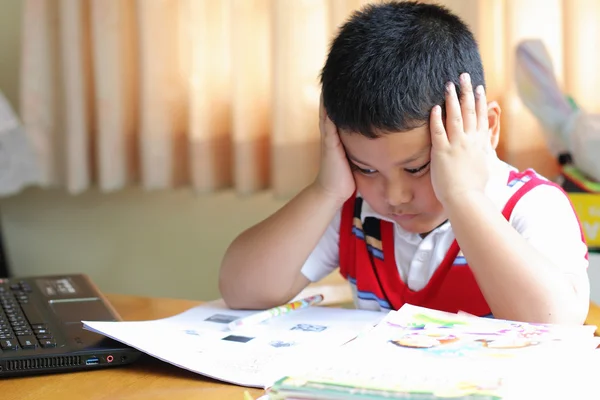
(546, 219)
(325, 257)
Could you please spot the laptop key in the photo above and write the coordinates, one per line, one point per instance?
(7, 336)
(40, 331)
(24, 333)
(44, 336)
(20, 327)
(48, 343)
(25, 287)
(8, 344)
(28, 342)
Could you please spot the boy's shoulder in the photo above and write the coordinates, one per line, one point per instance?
(527, 188)
(505, 177)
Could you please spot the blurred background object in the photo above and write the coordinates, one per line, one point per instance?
(570, 131)
(18, 164)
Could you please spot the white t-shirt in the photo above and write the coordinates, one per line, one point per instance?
(544, 217)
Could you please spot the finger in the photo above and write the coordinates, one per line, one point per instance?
(482, 109)
(467, 104)
(439, 138)
(454, 122)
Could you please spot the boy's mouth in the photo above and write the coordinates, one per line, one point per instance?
(403, 217)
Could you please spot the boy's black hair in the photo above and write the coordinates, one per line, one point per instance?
(389, 64)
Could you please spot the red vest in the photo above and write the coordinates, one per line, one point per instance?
(367, 259)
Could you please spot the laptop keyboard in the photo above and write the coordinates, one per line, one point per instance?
(21, 325)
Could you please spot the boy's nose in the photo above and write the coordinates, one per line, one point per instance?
(398, 194)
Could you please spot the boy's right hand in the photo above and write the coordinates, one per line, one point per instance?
(335, 177)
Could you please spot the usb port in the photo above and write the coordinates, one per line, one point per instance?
(92, 361)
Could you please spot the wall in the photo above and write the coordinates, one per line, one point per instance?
(161, 243)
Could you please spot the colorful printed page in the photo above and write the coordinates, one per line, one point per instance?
(255, 356)
(441, 333)
(421, 353)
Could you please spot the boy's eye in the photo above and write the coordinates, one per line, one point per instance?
(364, 171)
(415, 171)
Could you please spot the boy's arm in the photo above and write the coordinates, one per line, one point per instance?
(537, 275)
(262, 267)
(518, 280)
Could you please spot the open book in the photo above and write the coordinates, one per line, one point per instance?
(418, 353)
(255, 356)
(413, 353)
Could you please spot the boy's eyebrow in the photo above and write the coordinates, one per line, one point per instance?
(415, 156)
(408, 160)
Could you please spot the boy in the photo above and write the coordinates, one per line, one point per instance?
(411, 201)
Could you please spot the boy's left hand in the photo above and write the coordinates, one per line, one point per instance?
(460, 150)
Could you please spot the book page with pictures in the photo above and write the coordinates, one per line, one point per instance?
(424, 333)
(418, 350)
(255, 356)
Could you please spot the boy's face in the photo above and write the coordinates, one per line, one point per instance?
(392, 175)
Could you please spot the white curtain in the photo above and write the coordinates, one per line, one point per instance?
(212, 94)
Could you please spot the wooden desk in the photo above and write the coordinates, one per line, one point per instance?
(147, 379)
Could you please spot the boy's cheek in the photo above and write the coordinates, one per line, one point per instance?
(426, 196)
(364, 184)
(361, 186)
(367, 187)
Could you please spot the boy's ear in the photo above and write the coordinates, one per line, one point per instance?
(494, 122)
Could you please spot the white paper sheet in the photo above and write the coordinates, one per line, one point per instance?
(199, 340)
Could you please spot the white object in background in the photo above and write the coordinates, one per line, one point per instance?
(18, 164)
(583, 140)
(567, 127)
(539, 91)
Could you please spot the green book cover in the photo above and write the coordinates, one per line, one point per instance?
(298, 388)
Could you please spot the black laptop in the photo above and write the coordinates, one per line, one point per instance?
(41, 329)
